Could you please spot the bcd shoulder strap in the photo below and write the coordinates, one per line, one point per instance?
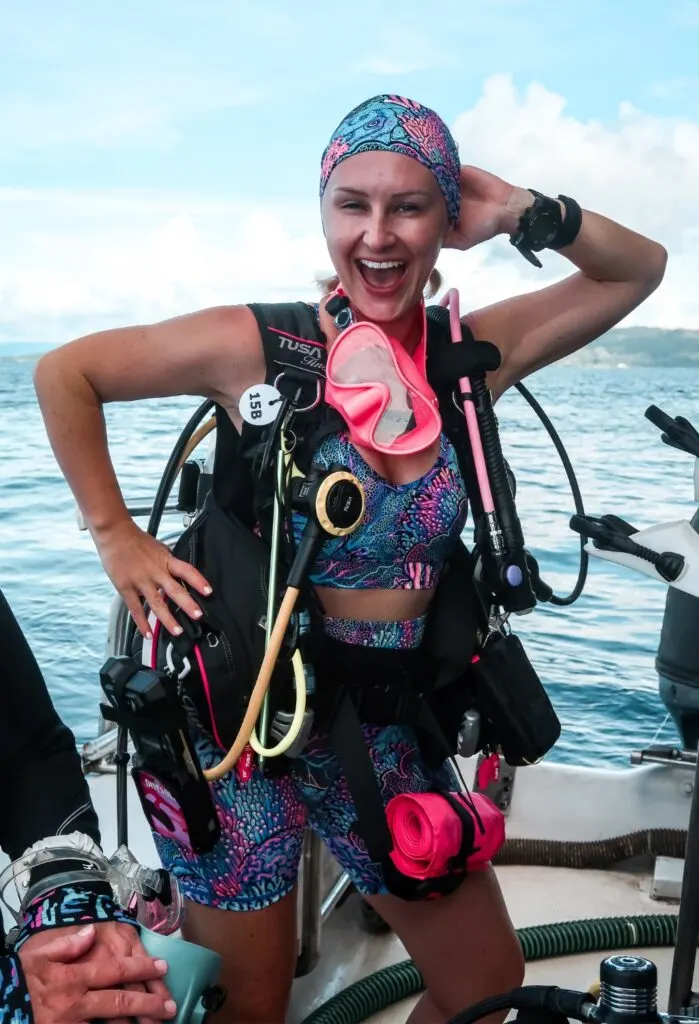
(295, 351)
(295, 354)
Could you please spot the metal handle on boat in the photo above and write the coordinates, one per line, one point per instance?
(665, 755)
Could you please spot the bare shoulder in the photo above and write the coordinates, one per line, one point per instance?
(213, 353)
(227, 340)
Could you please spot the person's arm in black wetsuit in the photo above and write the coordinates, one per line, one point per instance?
(43, 791)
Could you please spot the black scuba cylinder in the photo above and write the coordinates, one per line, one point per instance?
(677, 661)
(628, 991)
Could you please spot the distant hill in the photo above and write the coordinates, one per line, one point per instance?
(641, 346)
(627, 346)
(14, 349)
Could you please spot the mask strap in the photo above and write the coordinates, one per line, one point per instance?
(338, 306)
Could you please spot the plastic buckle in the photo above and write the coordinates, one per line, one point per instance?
(281, 723)
(186, 664)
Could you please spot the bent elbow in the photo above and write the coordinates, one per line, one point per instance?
(656, 266)
(43, 371)
(51, 367)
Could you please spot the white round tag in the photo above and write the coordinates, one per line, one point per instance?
(259, 405)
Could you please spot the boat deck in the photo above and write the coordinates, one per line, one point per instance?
(549, 802)
(554, 802)
(534, 895)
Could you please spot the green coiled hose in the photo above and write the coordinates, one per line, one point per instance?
(400, 981)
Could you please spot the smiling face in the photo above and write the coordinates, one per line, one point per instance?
(385, 220)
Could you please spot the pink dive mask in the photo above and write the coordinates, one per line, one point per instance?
(381, 392)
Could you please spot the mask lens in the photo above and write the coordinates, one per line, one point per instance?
(365, 359)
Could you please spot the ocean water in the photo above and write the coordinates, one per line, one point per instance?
(595, 657)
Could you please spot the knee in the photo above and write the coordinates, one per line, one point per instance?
(497, 971)
(501, 970)
(505, 970)
(512, 966)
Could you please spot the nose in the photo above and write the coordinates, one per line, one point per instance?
(378, 233)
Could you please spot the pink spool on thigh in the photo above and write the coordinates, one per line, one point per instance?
(427, 832)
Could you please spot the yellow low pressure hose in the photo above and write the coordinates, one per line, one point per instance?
(337, 504)
(260, 689)
(296, 721)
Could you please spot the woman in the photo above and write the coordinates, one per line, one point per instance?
(393, 195)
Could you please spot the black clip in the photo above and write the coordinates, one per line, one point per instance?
(610, 533)
(339, 308)
(275, 431)
(677, 433)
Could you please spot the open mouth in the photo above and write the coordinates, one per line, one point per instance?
(382, 275)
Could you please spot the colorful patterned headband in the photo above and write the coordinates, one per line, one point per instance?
(398, 125)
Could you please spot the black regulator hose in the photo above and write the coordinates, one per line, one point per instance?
(159, 502)
(165, 486)
(172, 465)
(575, 491)
(535, 1002)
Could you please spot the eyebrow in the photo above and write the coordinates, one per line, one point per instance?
(396, 195)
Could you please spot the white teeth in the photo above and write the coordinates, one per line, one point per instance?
(387, 265)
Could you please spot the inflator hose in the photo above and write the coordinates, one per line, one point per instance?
(505, 508)
(400, 981)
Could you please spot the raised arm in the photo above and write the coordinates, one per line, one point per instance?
(617, 270)
(215, 353)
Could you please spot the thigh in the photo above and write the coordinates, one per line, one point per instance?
(399, 768)
(464, 944)
(256, 859)
(258, 948)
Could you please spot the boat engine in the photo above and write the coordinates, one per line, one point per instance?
(677, 661)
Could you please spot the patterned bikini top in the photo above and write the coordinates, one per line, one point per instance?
(408, 530)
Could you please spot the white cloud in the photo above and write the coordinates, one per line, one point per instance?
(642, 171)
(137, 259)
(72, 262)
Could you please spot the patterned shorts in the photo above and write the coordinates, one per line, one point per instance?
(256, 860)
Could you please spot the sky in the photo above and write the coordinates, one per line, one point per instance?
(160, 156)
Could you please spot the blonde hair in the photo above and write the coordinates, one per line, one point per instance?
(435, 281)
